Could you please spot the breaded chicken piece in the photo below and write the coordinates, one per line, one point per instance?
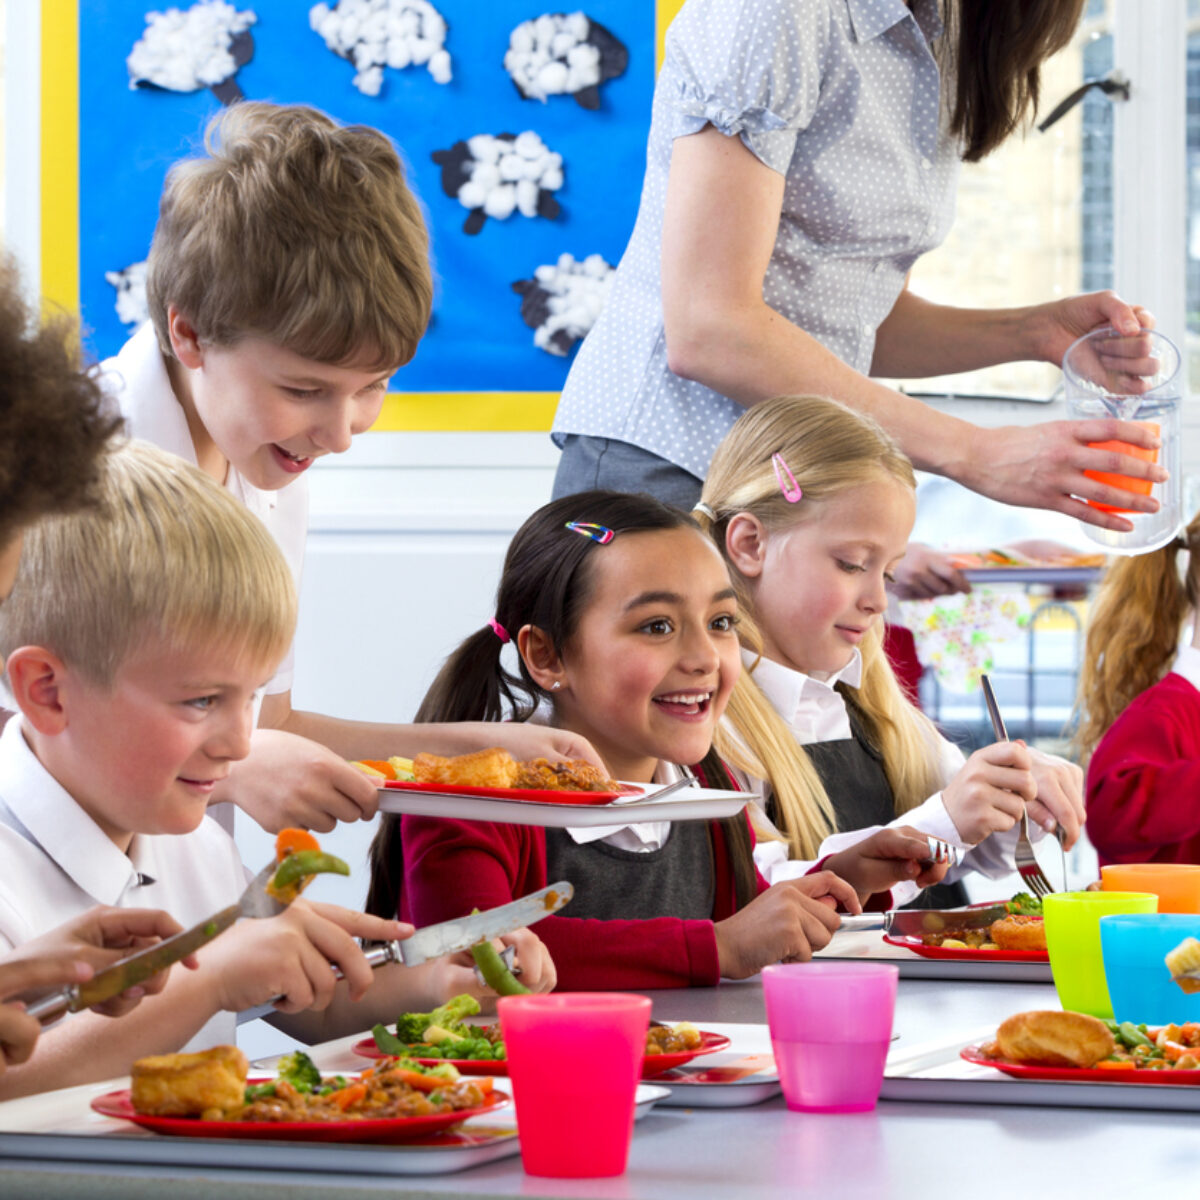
(1019, 933)
(1054, 1039)
(493, 768)
(211, 1083)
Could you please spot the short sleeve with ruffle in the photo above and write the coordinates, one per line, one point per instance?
(751, 69)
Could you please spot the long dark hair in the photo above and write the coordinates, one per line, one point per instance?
(998, 48)
(546, 582)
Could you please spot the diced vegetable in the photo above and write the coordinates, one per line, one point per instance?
(288, 841)
(300, 1071)
(299, 866)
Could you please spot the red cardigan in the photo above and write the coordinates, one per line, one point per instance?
(451, 867)
(1143, 782)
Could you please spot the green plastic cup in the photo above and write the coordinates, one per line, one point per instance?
(1073, 941)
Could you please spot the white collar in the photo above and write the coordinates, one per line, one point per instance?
(53, 819)
(155, 415)
(1187, 664)
(786, 688)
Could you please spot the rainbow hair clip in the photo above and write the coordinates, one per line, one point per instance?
(598, 533)
(786, 480)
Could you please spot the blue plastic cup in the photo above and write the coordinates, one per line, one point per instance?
(1134, 946)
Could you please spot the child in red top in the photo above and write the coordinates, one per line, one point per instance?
(1140, 709)
(624, 619)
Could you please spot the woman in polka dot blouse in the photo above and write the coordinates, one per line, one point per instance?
(802, 156)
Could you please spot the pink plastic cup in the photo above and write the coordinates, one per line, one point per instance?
(831, 1025)
(574, 1061)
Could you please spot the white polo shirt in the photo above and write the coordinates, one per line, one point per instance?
(58, 863)
(136, 380)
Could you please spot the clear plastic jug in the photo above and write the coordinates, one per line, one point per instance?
(1094, 389)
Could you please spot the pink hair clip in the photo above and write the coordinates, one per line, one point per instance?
(598, 533)
(788, 486)
(499, 630)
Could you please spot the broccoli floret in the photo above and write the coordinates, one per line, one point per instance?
(1023, 904)
(300, 1071)
(411, 1027)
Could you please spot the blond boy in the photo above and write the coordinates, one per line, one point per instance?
(137, 637)
(288, 280)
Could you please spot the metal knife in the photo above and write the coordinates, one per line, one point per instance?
(913, 922)
(448, 937)
(136, 968)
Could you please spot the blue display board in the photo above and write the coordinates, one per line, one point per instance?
(477, 341)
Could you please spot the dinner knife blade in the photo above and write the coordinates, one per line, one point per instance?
(132, 970)
(913, 922)
(448, 937)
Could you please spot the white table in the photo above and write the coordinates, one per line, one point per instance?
(978, 1152)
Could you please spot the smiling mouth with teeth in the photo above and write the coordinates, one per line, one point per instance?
(686, 703)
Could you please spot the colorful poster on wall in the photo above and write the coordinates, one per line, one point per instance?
(523, 129)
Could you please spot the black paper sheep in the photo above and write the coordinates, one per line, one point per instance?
(373, 34)
(562, 301)
(497, 176)
(187, 50)
(564, 54)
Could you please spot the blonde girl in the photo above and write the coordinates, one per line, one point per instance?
(812, 505)
(1139, 708)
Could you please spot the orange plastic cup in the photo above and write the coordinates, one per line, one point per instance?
(1177, 885)
(1139, 487)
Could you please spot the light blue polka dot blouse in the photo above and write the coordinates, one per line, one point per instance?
(841, 97)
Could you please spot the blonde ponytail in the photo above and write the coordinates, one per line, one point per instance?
(1133, 633)
(828, 448)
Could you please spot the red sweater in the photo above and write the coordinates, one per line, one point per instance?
(1143, 782)
(451, 867)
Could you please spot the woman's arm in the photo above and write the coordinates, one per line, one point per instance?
(720, 222)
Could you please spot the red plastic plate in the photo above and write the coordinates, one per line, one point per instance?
(974, 1054)
(535, 796)
(384, 1129)
(969, 955)
(653, 1064)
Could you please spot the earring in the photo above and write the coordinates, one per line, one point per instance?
(556, 685)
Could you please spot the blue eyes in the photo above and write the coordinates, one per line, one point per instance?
(203, 703)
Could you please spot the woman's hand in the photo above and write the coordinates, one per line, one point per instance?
(924, 572)
(786, 923)
(1052, 327)
(895, 854)
(1042, 466)
(989, 793)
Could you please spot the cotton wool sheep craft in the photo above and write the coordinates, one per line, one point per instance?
(373, 34)
(563, 299)
(130, 284)
(564, 54)
(187, 50)
(495, 176)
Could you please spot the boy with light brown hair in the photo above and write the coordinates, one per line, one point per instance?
(137, 636)
(288, 280)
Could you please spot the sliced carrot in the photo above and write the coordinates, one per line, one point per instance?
(290, 840)
(381, 765)
(348, 1096)
(1122, 1064)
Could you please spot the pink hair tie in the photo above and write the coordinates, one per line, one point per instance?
(499, 630)
(789, 487)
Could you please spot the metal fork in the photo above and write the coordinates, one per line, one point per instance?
(1027, 865)
(942, 852)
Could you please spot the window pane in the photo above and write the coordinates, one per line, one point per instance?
(1035, 218)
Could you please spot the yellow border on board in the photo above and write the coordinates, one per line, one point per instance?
(402, 411)
(60, 153)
